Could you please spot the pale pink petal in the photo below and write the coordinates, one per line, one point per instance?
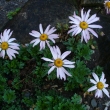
(36, 42)
(93, 81)
(47, 59)
(95, 77)
(102, 77)
(106, 92)
(9, 55)
(3, 53)
(14, 44)
(55, 36)
(61, 73)
(105, 85)
(93, 32)
(84, 36)
(82, 15)
(36, 33)
(41, 28)
(14, 47)
(48, 43)
(91, 18)
(92, 88)
(68, 62)
(54, 54)
(52, 30)
(63, 69)
(58, 51)
(51, 64)
(87, 15)
(47, 29)
(69, 66)
(51, 69)
(87, 34)
(94, 20)
(65, 54)
(10, 40)
(95, 26)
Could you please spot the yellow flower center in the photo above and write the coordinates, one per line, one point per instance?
(4, 45)
(58, 62)
(83, 25)
(43, 37)
(100, 85)
(108, 4)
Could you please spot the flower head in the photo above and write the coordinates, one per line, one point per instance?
(43, 36)
(83, 25)
(107, 6)
(7, 46)
(59, 62)
(99, 85)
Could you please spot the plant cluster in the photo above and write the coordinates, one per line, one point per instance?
(28, 81)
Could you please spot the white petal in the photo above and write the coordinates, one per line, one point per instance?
(102, 77)
(78, 30)
(36, 33)
(92, 88)
(61, 73)
(68, 62)
(69, 66)
(58, 51)
(52, 30)
(87, 15)
(41, 28)
(93, 32)
(106, 92)
(47, 29)
(53, 36)
(54, 54)
(84, 36)
(41, 45)
(51, 69)
(48, 43)
(37, 41)
(87, 34)
(47, 59)
(63, 69)
(95, 26)
(10, 40)
(82, 15)
(92, 81)
(95, 77)
(14, 47)
(65, 54)
(105, 85)
(94, 20)
(3, 53)
(75, 21)
(91, 18)
(51, 64)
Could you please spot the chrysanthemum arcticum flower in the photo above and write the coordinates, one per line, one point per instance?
(99, 85)
(83, 25)
(7, 46)
(42, 37)
(59, 62)
(107, 6)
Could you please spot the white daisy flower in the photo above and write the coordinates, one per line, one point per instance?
(59, 62)
(99, 85)
(83, 25)
(107, 6)
(43, 36)
(7, 46)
